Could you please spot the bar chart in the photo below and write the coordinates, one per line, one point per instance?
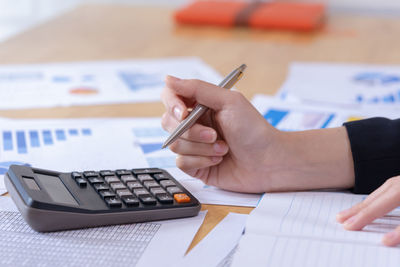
(23, 140)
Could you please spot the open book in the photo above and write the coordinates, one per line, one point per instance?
(300, 229)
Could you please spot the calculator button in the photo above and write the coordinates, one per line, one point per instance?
(124, 193)
(130, 201)
(144, 177)
(88, 174)
(165, 198)
(148, 200)
(76, 175)
(100, 187)
(158, 190)
(122, 172)
(160, 176)
(128, 178)
(112, 179)
(117, 186)
(96, 180)
(150, 184)
(146, 171)
(182, 198)
(174, 190)
(134, 185)
(106, 173)
(141, 192)
(167, 183)
(113, 202)
(106, 193)
(81, 182)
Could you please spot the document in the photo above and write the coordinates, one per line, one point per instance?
(300, 229)
(140, 244)
(297, 116)
(343, 84)
(97, 82)
(67, 145)
(215, 249)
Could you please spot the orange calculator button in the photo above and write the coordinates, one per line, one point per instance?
(181, 198)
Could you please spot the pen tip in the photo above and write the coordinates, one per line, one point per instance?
(164, 146)
(242, 67)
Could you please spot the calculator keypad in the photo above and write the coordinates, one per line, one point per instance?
(132, 187)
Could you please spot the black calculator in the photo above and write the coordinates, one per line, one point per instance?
(52, 201)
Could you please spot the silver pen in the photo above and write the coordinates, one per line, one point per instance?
(199, 110)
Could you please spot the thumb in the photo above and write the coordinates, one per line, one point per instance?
(204, 93)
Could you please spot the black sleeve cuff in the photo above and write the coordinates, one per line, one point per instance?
(375, 145)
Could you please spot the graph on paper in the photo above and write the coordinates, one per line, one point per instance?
(90, 83)
(22, 141)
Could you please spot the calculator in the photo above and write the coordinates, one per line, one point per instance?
(52, 201)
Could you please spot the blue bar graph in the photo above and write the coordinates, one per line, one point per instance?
(7, 141)
(73, 132)
(151, 147)
(274, 116)
(34, 137)
(60, 135)
(326, 123)
(137, 81)
(86, 131)
(47, 138)
(21, 142)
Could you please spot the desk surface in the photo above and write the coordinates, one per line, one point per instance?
(121, 32)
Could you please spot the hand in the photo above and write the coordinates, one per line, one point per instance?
(242, 152)
(377, 204)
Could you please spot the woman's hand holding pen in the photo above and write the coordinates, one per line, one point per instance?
(377, 204)
(243, 152)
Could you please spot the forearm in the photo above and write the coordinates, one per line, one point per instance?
(314, 159)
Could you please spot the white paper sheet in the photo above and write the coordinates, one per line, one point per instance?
(88, 83)
(299, 229)
(345, 84)
(96, 144)
(120, 245)
(214, 249)
(297, 116)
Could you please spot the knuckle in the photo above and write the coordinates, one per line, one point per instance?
(164, 121)
(174, 147)
(180, 162)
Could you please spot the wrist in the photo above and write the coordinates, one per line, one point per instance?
(314, 159)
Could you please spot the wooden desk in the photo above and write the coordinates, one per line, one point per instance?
(121, 32)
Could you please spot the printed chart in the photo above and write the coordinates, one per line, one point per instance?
(343, 84)
(90, 83)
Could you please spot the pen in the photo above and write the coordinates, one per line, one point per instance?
(199, 110)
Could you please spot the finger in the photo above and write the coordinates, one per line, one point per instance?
(393, 238)
(184, 147)
(204, 93)
(346, 214)
(382, 205)
(190, 163)
(197, 133)
(174, 104)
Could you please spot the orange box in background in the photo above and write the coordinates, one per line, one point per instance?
(268, 15)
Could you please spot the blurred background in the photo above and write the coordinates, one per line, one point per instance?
(18, 15)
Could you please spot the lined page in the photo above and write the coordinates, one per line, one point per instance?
(300, 229)
(313, 215)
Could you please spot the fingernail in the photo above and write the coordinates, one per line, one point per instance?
(173, 78)
(350, 221)
(390, 236)
(343, 213)
(218, 148)
(177, 112)
(215, 159)
(207, 135)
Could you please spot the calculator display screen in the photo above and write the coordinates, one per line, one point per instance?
(56, 189)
